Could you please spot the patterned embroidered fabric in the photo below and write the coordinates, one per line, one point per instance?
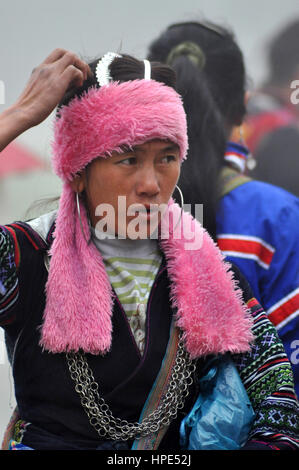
(267, 376)
(13, 445)
(8, 276)
(14, 433)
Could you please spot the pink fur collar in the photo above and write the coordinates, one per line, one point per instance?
(79, 307)
(210, 309)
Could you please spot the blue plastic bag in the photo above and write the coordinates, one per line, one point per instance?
(222, 416)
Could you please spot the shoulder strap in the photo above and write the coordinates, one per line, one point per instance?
(231, 179)
(158, 393)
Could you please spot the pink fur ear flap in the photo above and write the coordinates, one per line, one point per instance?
(79, 298)
(210, 309)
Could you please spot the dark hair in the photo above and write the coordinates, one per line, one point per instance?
(284, 54)
(123, 69)
(213, 96)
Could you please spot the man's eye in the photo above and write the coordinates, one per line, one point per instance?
(128, 161)
(168, 158)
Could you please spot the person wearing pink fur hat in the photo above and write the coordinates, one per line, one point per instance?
(114, 323)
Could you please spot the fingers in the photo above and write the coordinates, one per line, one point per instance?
(63, 59)
(72, 59)
(72, 77)
(60, 59)
(54, 56)
(48, 83)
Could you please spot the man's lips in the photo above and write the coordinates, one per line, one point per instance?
(147, 211)
(142, 208)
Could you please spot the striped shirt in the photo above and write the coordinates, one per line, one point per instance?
(132, 266)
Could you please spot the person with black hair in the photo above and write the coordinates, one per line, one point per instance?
(255, 224)
(114, 327)
(272, 124)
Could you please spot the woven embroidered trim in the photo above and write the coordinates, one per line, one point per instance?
(267, 376)
(13, 445)
(8, 273)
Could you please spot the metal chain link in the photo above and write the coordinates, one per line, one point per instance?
(100, 415)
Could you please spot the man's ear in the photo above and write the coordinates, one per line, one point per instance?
(78, 183)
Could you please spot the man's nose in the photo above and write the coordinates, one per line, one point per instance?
(147, 182)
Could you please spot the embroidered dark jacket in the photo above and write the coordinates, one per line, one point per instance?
(45, 391)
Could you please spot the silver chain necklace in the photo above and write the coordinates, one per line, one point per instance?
(100, 415)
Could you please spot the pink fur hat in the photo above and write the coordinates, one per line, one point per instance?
(105, 119)
(79, 295)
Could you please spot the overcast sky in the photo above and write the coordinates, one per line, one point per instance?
(31, 29)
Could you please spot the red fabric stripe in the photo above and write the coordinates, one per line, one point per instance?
(27, 235)
(266, 443)
(246, 246)
(278, 361)
(240, 155)
(278, 435)
(284, 394)
(8, 321)
(17, 249)
(252, 303)
(285, 310)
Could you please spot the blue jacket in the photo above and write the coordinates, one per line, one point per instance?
(258, 230)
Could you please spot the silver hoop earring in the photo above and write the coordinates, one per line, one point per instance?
(181, 196)
(182, 205)
(79, 215)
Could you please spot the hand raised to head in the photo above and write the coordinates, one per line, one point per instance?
(48, 83)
